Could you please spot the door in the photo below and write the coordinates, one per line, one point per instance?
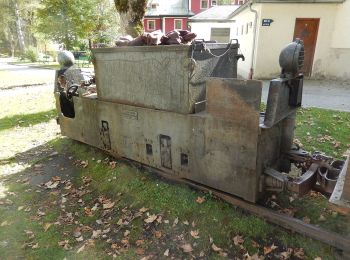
(306, 29)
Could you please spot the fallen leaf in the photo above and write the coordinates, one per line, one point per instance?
(237, 240)
(287, 254)
(186, 248)
(166, 253)
(322, 218)
(20, 208)
(139, 242)
(318, 258)
(269, 249)
(159, 219)
(151, 219)
(175, 222)
(84, 164)
(106, 231)
(40, 213)
(215, 248)
(56, 178)
(143, 210)
(4, 223)
(186, 222)
(195, 233)
(113, 164)
(63, 242)
(108, 205)
(200, 200)
(299, 253)
(96, 233)
(158, 234)
(79, 239)
(126, 233)
(81, 249)
(52, 185)
(47, 226)
(35, 246)
(306, 219)
(140, 251)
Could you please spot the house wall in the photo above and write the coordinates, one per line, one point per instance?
(158, 24)
(339, 54)
(245, 20)
(169, 23)
(203, 30)
(273, 38)
(196, 8)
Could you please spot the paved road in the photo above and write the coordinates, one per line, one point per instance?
(15, 75)
(323, 94)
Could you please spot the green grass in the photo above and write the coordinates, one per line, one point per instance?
(213, 218)
(132, 187)
(323, 130)
(25, 120)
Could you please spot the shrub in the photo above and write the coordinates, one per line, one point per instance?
(31, 54)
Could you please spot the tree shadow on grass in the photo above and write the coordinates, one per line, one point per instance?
(26, 120)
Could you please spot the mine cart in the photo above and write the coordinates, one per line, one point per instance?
(181, 110)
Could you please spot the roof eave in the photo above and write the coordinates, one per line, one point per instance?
(211, 21)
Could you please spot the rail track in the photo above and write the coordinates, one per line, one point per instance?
(292, 224)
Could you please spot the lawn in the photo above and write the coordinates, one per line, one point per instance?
(94, 206)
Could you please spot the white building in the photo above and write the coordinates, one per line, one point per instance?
(264, 27)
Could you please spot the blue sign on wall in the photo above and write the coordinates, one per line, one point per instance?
(266, 22)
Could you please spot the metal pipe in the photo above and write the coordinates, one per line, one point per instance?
(251, 72)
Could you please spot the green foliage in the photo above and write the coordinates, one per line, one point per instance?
(31, 54)
(69, 22)
(17, 18)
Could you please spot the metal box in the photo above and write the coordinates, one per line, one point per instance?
(170, 78)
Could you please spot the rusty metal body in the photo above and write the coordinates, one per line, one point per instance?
(195, 121)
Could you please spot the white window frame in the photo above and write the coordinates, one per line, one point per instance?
(201, 7)
(148, 23)
(175, 20)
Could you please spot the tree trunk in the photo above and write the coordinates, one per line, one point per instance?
(19, 28)
(131, 14)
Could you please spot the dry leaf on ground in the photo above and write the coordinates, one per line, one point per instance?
(166, 253)
(299, 253)
(216, 248)
(140, 251)
(237, 240)
(269, 249)
(108, 205)
(158, 234)
(47, 226)
(175, 222)
(151, 218)
(200, 200)
(143, 210)
(195, 233)
(187, 248)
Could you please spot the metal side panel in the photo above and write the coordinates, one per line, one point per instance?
(84, 127)
(217, 148)
(153, 77)
(230, 138)
(341, 193)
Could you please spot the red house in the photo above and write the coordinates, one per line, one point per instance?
(168, 15)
